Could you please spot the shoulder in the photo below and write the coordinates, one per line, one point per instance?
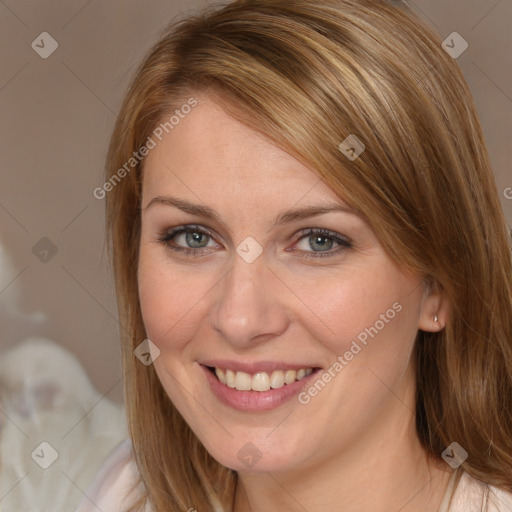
(472, 495)
(114, 486)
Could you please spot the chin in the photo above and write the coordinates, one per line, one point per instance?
(253, 454)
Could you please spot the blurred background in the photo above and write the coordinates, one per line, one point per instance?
(64, 69)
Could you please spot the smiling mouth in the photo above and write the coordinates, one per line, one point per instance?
(259, 381)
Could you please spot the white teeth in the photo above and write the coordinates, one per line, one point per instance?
(260, 381)
(277, 379)
(221, 375)
(289, 376)
(243, 381)
(230, 378)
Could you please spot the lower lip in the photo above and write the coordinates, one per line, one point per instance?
(255, 400)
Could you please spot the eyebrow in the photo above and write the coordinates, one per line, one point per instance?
(288, 216)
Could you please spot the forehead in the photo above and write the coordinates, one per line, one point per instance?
(212, 156)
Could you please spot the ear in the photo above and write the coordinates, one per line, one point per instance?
(435, 308)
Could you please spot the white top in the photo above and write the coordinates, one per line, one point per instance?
(109, 490)
(472, 495)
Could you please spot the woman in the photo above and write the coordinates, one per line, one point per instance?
(313, 268)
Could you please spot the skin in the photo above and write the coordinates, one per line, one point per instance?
(358, 433)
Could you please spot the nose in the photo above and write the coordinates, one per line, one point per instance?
(249, 304)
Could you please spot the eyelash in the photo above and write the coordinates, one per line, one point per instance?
(166, 236)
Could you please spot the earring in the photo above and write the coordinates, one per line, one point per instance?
(435, 318)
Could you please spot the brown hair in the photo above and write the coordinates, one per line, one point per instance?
(307, 75)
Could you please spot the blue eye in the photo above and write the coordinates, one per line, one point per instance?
(194, 235)
(199, 241)
(322, 241)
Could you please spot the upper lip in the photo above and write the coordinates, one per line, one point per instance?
(255, 366)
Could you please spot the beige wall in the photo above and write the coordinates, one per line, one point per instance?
(56, 117)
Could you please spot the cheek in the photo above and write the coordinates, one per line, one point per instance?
(168, 298)
(377, 305)
(369, 324)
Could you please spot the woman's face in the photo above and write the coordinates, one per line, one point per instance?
(282, 288)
